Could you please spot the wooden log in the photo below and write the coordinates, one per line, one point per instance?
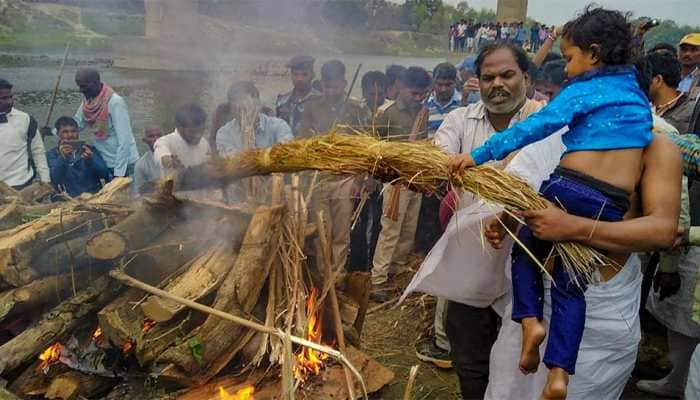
(55, 324)
(162, 261)
(33, 382)
(41, 293)
(36, 192)
(16, 213)
(203, 276)
(19, 245)
(358, 288)
(237, 295)
(136, 231)
(7, 395)
(73, 385)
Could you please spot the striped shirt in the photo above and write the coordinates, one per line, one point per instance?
(438, 112)
(689, 145)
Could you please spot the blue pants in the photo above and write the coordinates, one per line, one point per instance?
(583, 196)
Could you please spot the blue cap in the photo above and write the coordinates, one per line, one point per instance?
(467, 63)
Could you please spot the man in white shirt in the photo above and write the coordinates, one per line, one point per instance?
(146, 171)
(502, 71)
(185, 147)
(22, 155)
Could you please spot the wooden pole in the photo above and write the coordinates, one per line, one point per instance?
(129, 281)
(58, 83)
(411, 381)
(330, 282)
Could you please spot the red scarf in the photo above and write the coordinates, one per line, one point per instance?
(96, 112)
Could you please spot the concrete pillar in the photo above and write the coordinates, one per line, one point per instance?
(511, 10)
(171, 20)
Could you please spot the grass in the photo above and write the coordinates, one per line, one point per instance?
(52, 40)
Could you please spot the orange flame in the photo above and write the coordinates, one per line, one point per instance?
(148, 324)
(50, 356)
(310, 362)
(127, 346)
(98, 337)
(244, 394)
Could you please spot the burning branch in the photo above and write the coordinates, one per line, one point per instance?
(340, 357)
(243, 394)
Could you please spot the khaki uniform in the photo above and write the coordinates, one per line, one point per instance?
(396, 238)
(320, 115)
(332, 195)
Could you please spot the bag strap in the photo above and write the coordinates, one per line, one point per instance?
(694, 126)
(31, 133)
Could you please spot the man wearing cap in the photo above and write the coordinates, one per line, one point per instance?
(689, 56)
(290, 105)
(469, 84)
(333, 196)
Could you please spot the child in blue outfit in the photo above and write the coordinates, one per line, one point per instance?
(609, 124)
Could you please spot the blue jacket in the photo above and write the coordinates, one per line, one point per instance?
(604, 109)
(75, 175)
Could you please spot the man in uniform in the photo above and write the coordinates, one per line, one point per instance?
(333, 195)
(406, 119)
(290, 105)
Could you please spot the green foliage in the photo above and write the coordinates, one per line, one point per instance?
(345, 13)
(197, 349)
(113, 23)
(668, 32)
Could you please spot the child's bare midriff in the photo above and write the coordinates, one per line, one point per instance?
(620, 168)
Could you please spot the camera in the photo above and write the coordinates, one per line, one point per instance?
(650, 24)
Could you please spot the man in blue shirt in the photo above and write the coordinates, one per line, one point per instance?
(75, 167)
(232, 138)
(105, 115)
(445, 96)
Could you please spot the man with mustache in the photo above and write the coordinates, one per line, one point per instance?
(689, 56)
(503, 79)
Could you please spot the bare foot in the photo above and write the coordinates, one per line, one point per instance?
(557, 382)
(533, 335)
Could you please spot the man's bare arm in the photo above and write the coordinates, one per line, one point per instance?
(655, 229)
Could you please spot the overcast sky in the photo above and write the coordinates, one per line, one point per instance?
(559, 11)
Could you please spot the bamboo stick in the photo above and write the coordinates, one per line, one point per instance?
(58, 83)
(330, 282)
(411, 381)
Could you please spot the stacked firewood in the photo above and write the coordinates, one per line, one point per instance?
(68, 330)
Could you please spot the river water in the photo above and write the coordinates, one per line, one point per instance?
(153, 96)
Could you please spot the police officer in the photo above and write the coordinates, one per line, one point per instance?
(290, 105)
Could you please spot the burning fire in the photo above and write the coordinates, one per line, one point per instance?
(148, 324)
(127, 346)
(98, 337)
(244, 394)
(308, 361)
(50, 356)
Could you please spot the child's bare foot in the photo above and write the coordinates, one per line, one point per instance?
(557, 382)
(533, 335)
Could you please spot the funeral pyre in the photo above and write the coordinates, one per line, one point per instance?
(71, 328)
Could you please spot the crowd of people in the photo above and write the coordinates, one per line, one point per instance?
(469, 36)
(590, 129)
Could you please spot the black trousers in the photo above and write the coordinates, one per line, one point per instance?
(363, 239)
(429, 229)
(472, 331)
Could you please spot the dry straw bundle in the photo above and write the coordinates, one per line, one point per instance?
(420, 165)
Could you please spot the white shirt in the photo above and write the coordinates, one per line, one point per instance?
(174, 145)
(14, 161)
(146, 170)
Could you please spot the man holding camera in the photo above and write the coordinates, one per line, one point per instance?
(75, 166)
